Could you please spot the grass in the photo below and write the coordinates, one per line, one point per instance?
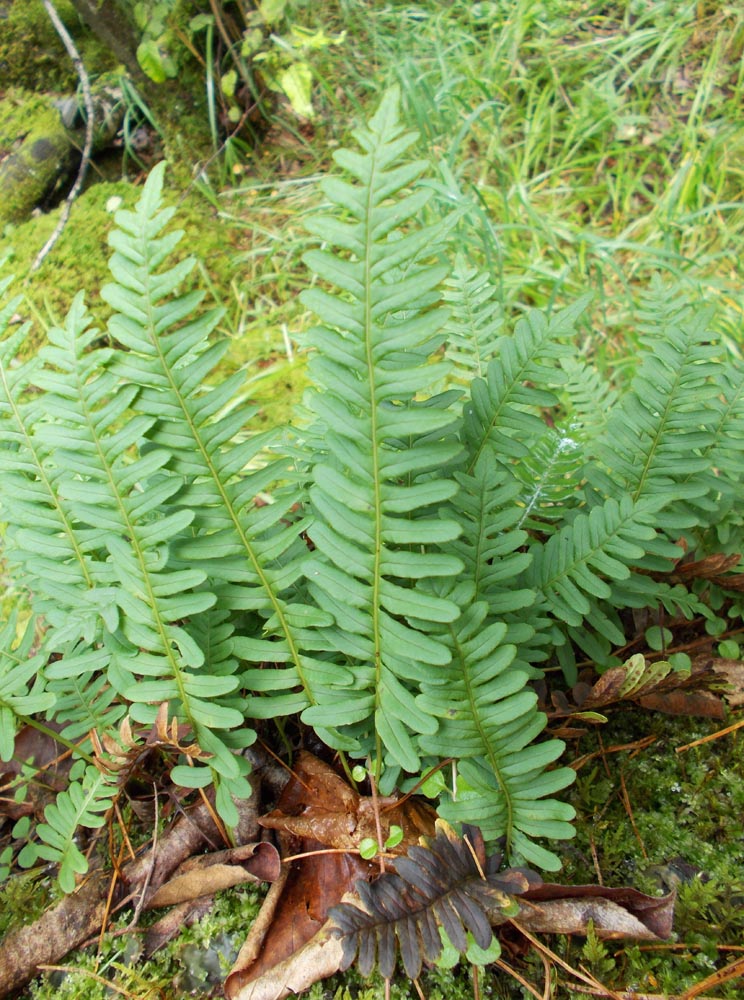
(594, 144)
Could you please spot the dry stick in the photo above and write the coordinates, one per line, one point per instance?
(582, 975)
(150, 869)
(629, 810)
(712, 736)
(89, 123)
(525, 983)
(733, 971)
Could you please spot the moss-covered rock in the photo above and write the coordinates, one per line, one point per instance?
(31, 52)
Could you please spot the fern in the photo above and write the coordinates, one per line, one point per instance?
(475, 321)
(488, 719)
(520, 380)
(84, 803)
(22, 692)
(465, 506)
(380, 444)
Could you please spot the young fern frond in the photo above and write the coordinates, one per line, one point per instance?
(84, 803)
(476, 319)
(550, 476)
(379, 445)
(503, 412)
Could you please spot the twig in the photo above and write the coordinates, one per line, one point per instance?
(583, 975)
(525, 983)
(150, 868)
(89, 125)
(733, 971)
(711, 736)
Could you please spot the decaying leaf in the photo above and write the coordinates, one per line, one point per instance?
(653, 684)
(209, 873)
(320, 815)
(615, 913)
(454, 885)
(318, 804)
(553, 909)
(731, 673)
(313, 886)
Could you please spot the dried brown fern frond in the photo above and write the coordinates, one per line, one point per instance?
(443, 884)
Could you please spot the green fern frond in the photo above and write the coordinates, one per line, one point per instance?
(488, 720)
(251, 555)
(22, 691)
(378, 443)
(42, 537)
(656, 437)
(476, 319)
(588, 398)
(84, 803)
(152, 653)
(503, 412)
(551, 478)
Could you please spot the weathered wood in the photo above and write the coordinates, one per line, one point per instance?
(109, 23)
(43, 155)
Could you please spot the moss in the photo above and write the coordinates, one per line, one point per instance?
(31, 52)
(41, 160)
(683, 830)
(192, 964)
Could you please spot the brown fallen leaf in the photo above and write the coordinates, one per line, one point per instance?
(173, 922)
(300, 947)
(314, 885)
(319, 814)
(731, 673)
(697, 704)
(653, 685)
(616, 913)
(318, 804)
(209, 873)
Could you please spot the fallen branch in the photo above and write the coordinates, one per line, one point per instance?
(89, 126)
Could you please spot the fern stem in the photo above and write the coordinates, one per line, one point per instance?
(75, 748)
(486, 741)
(377, 486)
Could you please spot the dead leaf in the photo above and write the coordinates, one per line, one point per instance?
(553, 909)
(698, 704)
(313, 886)
(319, 958)
(173, 922)
(318, 811)
(316, 803)
(616, 913)
(732, 673)
(209, 873)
